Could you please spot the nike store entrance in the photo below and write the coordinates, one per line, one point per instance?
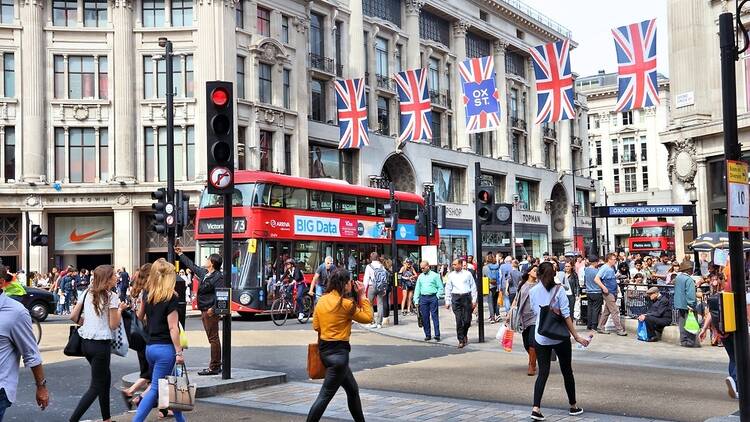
(83, 241)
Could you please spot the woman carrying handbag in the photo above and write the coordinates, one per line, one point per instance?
(100, 310)
(554, 327)
(163, 349)
(343, 302)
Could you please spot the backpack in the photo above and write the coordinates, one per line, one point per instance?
(380, 278)
(493, 273)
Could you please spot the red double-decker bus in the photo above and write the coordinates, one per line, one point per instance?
(276, 217)
(651, 237)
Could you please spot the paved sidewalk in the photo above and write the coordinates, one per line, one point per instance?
(387, 406)
(624, 350)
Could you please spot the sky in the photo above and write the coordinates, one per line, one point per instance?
(591, 22)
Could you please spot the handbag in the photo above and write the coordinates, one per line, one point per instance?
(514, 319)
(74, 346)
(315, 368)
(176, 392)
(551, 322)
(120, 340)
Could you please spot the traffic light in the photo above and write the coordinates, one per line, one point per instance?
(422, 225)
(160, 210)
(485, 204)
(220, 136)
(391, 215)
(182, 205)
(37, 238)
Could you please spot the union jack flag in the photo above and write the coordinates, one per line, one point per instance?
(636, 58)
(352, 112)
(415, 106)
(554, 82)
(480, 94)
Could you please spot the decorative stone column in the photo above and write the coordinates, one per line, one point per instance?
(123, 57)
(459, 45)
(301, 98)
(372, 81)
(564, 135)
(124, 235)
(534, 139)
(411, 25)
(34, 138)
(356, 42)
(501, 134)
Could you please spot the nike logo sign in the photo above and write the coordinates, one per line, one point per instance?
(75, 237)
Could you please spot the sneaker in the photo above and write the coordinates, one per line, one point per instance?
(622, 333)
(600, 331)
(301, 316)
(575, 411)
(732, 388)
(379, 326)
(437, 338)
(373, 325)
(427, 338)
(537, 416)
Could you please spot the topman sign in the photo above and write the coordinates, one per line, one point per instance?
(644, 211)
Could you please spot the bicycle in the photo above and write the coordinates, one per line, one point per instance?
(286, 304)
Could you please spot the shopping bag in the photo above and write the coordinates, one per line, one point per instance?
(507, 341)
(176, 392)
(500, 333)
(642, 332)
(485, 285)
(183, 338)
(500, 299)
(691, 324)
(120, 340)
(315, 368)
(514, 319)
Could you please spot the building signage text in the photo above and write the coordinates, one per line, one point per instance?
(531, 218)
(453, 211)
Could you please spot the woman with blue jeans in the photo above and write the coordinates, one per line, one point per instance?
(163, 350)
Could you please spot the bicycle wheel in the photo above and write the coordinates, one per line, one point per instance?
(279, 312)
(37, 327)
(307, 308)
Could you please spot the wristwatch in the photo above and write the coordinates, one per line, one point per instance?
(43, 383)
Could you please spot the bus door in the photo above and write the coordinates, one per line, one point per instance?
(276, 252)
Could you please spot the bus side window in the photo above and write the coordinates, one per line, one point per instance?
(295, 198)
(345, 204)
(407, 210)
(260, 196)
(366, 206)
(277, 196)
(321, 201)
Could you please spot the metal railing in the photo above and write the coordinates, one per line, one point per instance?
(538, 16)
(635, 301)
(322, 63)
(440, 99)
(550, 132)
(517, 123)
(576, 142)
(385, 82)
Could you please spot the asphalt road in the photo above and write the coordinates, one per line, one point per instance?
(672, 392)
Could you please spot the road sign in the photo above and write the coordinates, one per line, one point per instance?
(223, 304)
(220, 177)
(738, 193)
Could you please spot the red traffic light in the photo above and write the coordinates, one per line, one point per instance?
(485, 196)
(220, 97)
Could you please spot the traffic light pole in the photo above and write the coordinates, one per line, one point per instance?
(478, 253)
(170, 144)
(732, 151)
(28, 247)
(394, 251)
(226, 328)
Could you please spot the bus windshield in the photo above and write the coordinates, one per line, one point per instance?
(665, 231)
(246, 268)
(242, 196)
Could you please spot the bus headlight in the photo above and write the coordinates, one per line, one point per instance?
(245, 298)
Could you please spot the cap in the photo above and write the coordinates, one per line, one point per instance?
(652, 290)
(686, 266)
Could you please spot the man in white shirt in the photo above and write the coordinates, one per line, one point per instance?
(461, 293)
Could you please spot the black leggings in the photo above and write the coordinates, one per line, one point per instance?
(543, 358)
(528, 337)
(97, 353)
(335, 357)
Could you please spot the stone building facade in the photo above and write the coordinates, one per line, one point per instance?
(82, 113)
(694, 135)
(627, 155)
